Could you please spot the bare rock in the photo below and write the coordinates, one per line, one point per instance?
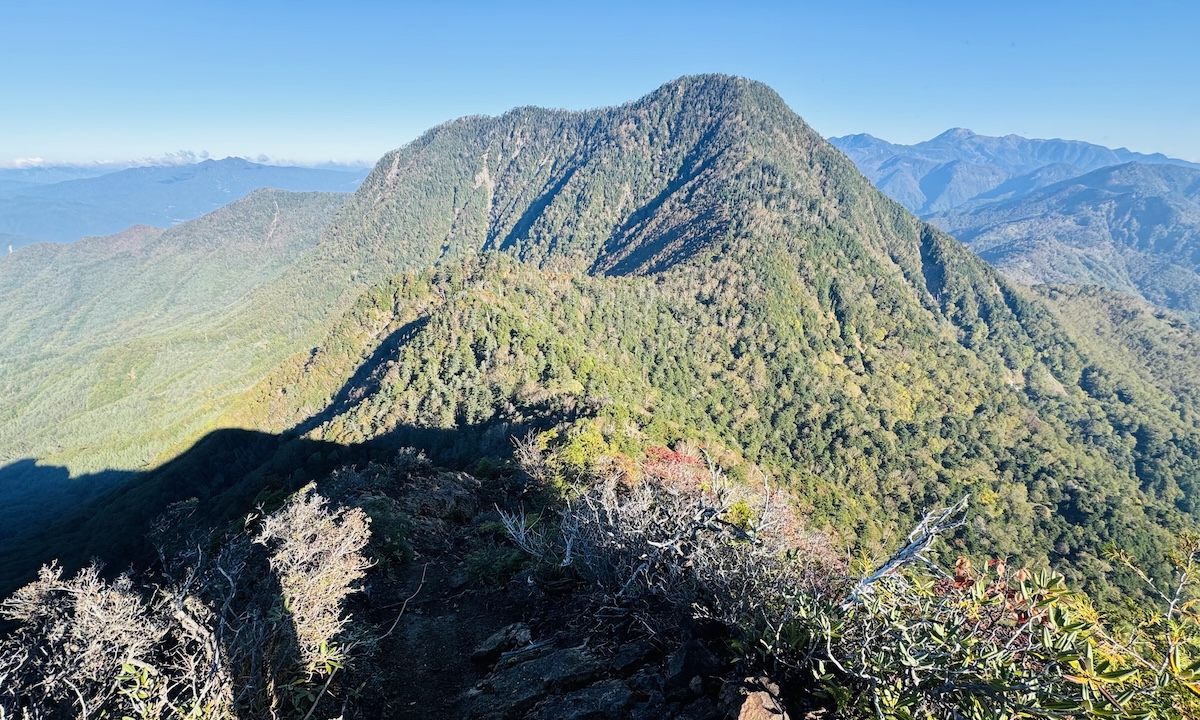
(446, 496)
(647, 681)
(510, 692)
(702, 708)
(631, 656)
(605, 700)
(761, 705)
(436, 503)
(457, 580)
(503, 640)
(655, 708)
(690, 660)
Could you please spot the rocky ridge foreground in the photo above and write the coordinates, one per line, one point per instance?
(472, 644)
(800, 327)
(640, 680)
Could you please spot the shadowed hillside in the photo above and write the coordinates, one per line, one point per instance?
(700, 265)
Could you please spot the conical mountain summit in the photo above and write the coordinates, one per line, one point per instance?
(696, 265)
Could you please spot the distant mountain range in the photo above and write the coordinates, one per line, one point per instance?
(1053, 211)
(698, 265)
(958, 166)
(63, 204)
(1132, 227)
(14, 180)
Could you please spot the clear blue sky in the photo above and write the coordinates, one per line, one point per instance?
(307, 81)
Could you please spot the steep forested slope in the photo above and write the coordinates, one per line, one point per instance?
(701, 265)
(868, 419)
(858, 340)
(1135, 338)
(107, 343)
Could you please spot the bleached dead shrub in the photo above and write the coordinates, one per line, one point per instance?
(318, 560)
(73, 638)
(245, 630)
(684, 537)
(908, 640)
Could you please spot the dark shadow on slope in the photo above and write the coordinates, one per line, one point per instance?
(936, 182)
(217, 471)
(229, 473)
(32, 494)
(114, 527)
(932, 266)
(521, 229)
(652, 257)
(365, 380)
(619, 244)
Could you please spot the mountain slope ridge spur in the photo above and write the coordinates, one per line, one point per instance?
(1054, 211)
(109, 344)
(699, 265)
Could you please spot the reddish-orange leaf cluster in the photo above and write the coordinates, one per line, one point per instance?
(668, 456)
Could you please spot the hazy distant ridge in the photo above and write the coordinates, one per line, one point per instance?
(958, 165)
(1054, 211)
(162, 196)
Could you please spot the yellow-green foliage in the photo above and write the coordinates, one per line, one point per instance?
(868, 427)
(740, 514)
(581, 447)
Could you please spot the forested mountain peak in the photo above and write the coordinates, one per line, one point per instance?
(611, 189)
(848, 328)
(696, 265)
(693, 274)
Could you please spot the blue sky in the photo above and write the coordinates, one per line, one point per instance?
(312, 82)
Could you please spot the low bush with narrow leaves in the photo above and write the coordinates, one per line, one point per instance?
(908, 640)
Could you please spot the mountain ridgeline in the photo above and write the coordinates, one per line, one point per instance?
(1054, 211)
(1133, 228)
(65, 204)
(959, 166)
(698, 265)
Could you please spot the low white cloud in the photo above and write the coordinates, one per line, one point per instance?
(22, 163)
(179, 157)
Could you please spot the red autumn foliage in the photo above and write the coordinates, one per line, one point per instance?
(667, 456)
